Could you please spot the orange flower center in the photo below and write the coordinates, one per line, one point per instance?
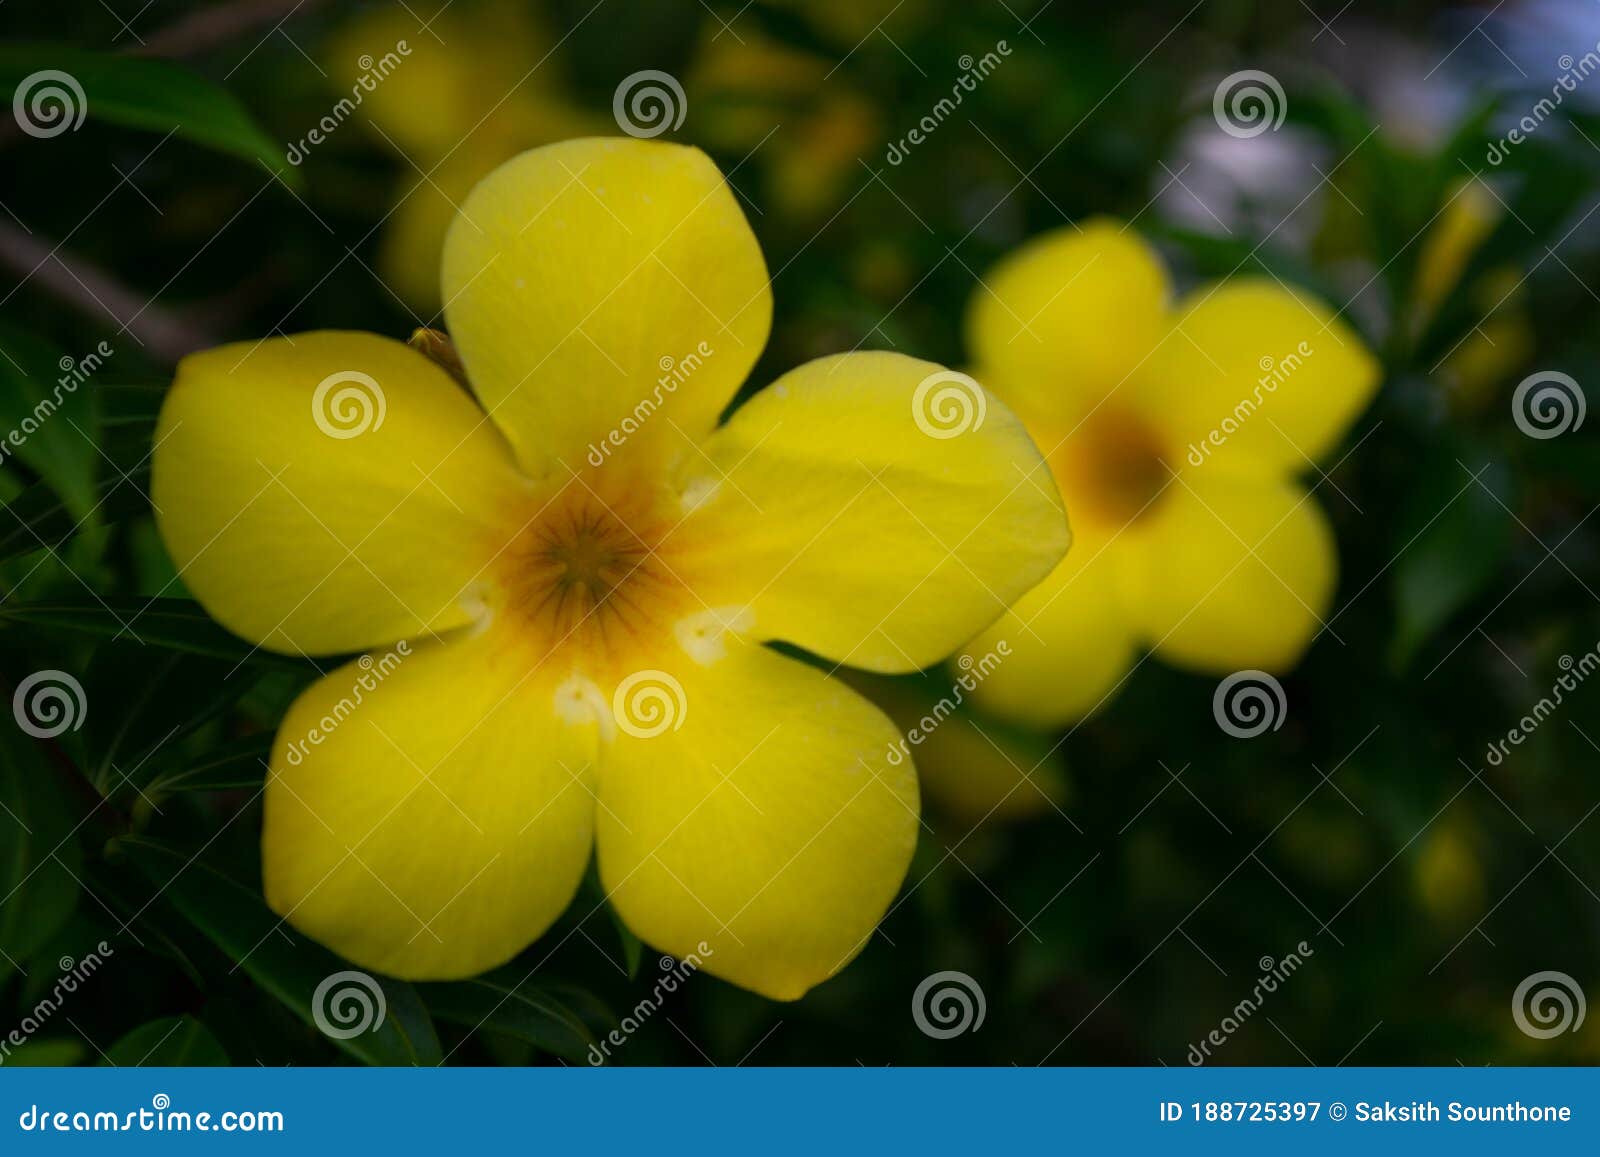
(586, 571)
(1112, 466)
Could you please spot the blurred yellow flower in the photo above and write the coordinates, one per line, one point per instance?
(477, 86)
(805, 126)
(1175, 433)
(584, 573)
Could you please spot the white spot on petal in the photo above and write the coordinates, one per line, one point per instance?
(705, 635)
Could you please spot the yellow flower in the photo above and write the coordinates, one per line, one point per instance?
(804, 126)
(584, 573)
(460, 97)
(1175, 432)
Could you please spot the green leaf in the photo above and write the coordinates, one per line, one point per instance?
(39, 519)
(1452, 541)
(176, 624)
(46, 1054)
(526, 1010)
(148, 705)
(40, 860)
(287, 965)
(137, 93)
(47, 417)
(229, 767)
(169, 1042)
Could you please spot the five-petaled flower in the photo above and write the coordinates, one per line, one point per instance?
(444, 823)
(1175, 432)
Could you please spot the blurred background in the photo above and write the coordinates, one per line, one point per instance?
(1433, 175)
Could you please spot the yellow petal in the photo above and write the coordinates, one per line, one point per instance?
(321, 493)
(1070, 640)
(1069, 315)
(430, 815)
(606, 295)
(1232, 573)
(857, 512)
(1256, 379)
(769, 826)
